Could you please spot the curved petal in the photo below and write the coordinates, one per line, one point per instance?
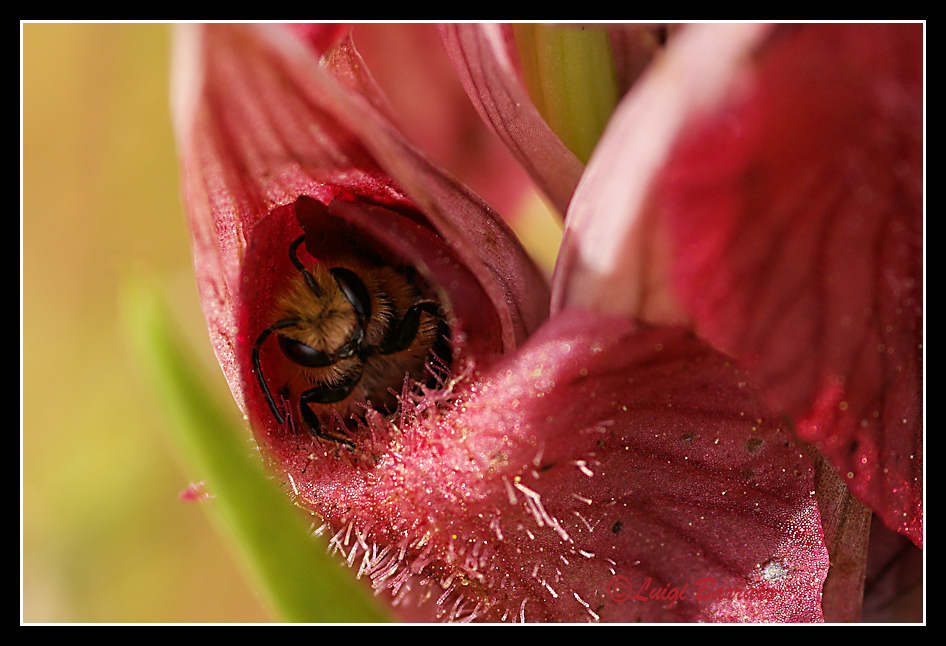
(610, 257)
(634, 46)
(476, 233)
(483, 57)
(408, 61)
(786, 223)
(599, 465)
(260, 123)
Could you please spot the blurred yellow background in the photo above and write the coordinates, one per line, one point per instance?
(105, 537)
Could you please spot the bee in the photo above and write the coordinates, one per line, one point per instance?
(351, 331)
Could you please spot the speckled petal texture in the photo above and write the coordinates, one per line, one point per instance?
(775, 205)
(600, 463)
(795, 215)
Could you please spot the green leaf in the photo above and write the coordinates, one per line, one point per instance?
(289, 566)
(570, 74)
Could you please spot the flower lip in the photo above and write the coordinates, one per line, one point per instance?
(600, 448)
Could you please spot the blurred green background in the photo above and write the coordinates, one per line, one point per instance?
(105, 536)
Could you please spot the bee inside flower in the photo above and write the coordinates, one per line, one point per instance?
(353, 328)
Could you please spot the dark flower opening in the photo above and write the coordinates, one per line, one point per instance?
(337, 354)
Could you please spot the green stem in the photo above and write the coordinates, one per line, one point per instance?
(290, 567)
(569, 72)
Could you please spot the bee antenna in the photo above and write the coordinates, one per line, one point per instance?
(278, 325)
(309, 280)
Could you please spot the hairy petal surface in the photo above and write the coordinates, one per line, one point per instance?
(784, 221)
(573, 481)
(260, 122)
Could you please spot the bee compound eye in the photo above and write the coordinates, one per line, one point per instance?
(354, 290)
(302, 354)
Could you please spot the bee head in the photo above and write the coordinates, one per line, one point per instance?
(330, 307)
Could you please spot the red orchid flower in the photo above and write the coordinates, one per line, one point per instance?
(764, 187)
(588, 466)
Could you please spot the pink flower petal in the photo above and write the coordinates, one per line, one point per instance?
(599, 456)
(260, 123)
(799, 248)
(319, 36)
(482, 240)
(431, 109)
(484, 56)
(611, 254)
(779, 209)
